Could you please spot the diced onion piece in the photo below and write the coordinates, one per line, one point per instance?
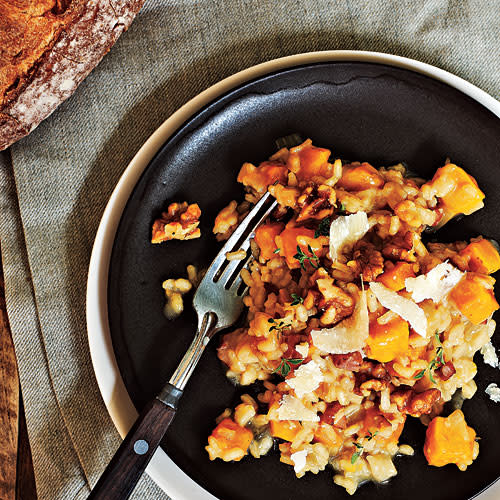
(306, 378)
(292, 408)
(347, 230)
(299, 460)
(406, 308)
(435, 284)
(349, 335)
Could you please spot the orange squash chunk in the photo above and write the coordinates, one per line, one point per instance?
(476, 302)
(360, 177)
(285, 429)
(259, 178)
(313, 162)
(264, 237)
(449, 441)
(229, 436)
(394, 278)
(387, 342)
(287, 243)
(327, 435)
(463, 195)
(482, 256)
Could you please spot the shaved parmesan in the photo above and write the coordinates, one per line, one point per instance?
(292, 408)
(489, 355)
(406, 308)
(493, 392)
(299, 460)
(349, 335)
(347, 230)
(302, 349)
(306, 379)
(435, 285)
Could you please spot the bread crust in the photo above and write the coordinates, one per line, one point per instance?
(47, 47)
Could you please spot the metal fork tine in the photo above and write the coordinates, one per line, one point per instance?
(236, 283)
(234, 264)
(253, 219)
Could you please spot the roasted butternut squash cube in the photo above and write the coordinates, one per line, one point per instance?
(327, 435)
(457, 190)
(388, 341)
(394, 278)
(313, 162)
(265, 238)
(229, 441)
(449, 441)
(285, 429)
(482, 256)
(288, 240)
(360, 177)
(473, 299)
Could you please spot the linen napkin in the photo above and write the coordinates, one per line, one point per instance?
(55, 183)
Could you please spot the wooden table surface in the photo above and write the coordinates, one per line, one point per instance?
(17, 481)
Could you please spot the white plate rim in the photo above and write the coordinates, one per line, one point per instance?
(169, 477)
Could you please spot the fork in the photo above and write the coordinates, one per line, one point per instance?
(218, 302)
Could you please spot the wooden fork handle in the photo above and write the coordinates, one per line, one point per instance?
(126, 467)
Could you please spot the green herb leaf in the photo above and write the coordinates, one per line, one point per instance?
(341, 209)
(358, 446)
(278, 250)
(355, 456)
(278, 326)
(302, 257)
(323, 228)
(297, 299)
(286, 365)
(293, 361)
(419, 375)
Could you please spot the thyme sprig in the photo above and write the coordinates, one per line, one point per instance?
(286, 365)
(302, 257)
(360, 447)
(278, 326)
(323, 228)
(297, 299)
(436, 362)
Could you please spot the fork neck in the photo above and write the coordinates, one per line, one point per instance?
(188, 363)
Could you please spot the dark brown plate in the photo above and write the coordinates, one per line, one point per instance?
(363, 111)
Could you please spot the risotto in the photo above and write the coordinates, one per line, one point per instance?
(354, 324)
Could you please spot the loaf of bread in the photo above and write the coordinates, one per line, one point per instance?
(47, 47)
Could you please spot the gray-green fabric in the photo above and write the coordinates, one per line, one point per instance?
(55, 183)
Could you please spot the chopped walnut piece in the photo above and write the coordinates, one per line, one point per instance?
(316, 202)
(401, 398)
(179, 222)
(423, 402)
(336, 303)
(373, 385)
(400, 248)
(366, 260)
